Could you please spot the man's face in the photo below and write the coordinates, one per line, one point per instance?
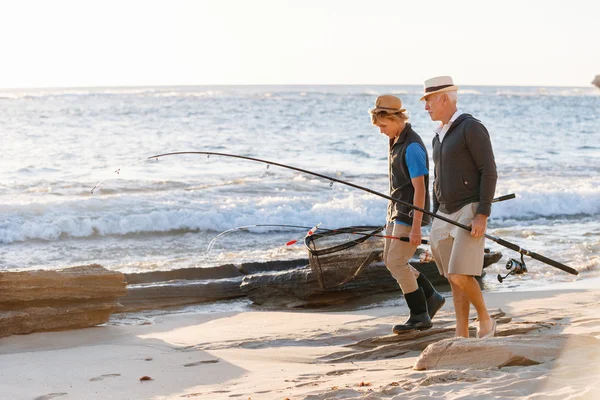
(434, 105)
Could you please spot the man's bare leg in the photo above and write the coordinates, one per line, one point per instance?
(461, 308)
(470, 288)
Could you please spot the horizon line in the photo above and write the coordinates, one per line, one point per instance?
(269, 84)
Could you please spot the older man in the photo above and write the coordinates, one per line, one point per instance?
(464, 184)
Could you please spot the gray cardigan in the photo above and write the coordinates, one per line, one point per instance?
(465, 169)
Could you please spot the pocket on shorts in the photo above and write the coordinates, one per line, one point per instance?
(468, 213)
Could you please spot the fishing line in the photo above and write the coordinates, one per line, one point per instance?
(118, 172)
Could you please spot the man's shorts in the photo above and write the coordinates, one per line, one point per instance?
(454, 249)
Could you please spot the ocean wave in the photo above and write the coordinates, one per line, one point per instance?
(127, 215)
(130, 217)
(549, 205)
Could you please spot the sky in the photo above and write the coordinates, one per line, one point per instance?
(92, 43)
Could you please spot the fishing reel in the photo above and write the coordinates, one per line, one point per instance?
(515, 267)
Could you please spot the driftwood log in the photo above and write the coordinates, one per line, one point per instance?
(300, 287)
(185, 286)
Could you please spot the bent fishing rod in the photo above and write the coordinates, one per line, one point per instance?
(498, 240)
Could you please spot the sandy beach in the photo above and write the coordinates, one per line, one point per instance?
(162, 217)
(315, 354)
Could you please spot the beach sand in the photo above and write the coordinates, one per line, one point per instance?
(305, 355)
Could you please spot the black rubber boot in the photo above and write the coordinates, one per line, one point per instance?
(419, 318)
(435, 301)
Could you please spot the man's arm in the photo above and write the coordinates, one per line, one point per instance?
(480, 147)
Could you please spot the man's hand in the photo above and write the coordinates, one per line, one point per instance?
(415, 236)
(478, 225)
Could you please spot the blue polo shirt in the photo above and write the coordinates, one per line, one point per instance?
(416, 161)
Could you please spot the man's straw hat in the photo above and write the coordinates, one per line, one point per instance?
(438, 84)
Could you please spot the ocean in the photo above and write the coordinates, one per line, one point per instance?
(161, 215)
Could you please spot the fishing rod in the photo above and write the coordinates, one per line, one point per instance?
(495, 239)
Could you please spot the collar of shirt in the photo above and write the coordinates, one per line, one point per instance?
(400, 135)
(442, 129)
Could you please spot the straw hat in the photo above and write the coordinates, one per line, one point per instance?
(388, 103)
(438, 84)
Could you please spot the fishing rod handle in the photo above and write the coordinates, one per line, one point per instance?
(503, 198)
(555, 264)
(407, 240)
(533, 255)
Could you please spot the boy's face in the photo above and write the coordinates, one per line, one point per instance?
(389, 127)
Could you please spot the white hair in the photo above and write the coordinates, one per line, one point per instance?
(452, 96)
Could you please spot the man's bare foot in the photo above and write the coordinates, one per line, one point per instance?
(486, 328)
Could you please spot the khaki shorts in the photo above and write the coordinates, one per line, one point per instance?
(454, 249)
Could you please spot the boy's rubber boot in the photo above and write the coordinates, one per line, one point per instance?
(435, 301)
(419, 317)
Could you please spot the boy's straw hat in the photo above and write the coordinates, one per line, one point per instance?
(388, 103)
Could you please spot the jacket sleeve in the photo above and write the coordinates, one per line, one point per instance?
(480, 147)
(434, 200)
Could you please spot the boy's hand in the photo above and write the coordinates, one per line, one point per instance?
(415, 236)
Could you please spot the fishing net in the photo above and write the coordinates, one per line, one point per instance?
(338, 256)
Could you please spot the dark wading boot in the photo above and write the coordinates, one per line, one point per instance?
(419, 317)
(435, 301)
